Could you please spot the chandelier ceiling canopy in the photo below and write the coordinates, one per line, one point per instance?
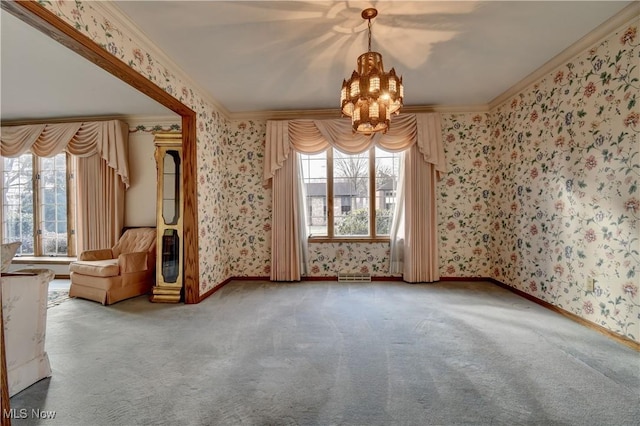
(371, 95)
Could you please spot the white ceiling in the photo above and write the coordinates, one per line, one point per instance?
(293, 55)
(266, 55)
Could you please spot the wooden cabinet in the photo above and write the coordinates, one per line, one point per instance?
(169, 213)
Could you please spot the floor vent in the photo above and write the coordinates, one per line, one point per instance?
(354, 277)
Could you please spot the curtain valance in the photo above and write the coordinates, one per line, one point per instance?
(83, 139)
(315, 136)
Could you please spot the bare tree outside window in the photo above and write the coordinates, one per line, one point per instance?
(17, 202)
(355, 171)
(351, 194)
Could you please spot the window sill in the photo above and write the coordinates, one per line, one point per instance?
(313, 240)
(43, 260)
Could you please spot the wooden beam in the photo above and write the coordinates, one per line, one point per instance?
(5, 419)
(190, 218)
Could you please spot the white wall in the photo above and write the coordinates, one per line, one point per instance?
(140, 207)
(140, 199)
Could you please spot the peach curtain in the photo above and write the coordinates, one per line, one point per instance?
(420, 132)
(420, 245)
(100, 150)
(414, 237)
(288, 256)
(108, 139)
(100, 204)
(314, 136)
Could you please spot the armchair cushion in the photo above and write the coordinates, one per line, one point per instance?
(136, 240)
(132, 262)
(100, 254)
(96, 268)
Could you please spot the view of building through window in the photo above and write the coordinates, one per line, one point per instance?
(314, 172)
(338, 191)
(35, 214)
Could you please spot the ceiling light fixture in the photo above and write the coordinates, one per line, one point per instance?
(370, 96)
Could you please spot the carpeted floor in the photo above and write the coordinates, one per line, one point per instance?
(327, 353)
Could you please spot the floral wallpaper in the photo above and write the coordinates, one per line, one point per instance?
(329, 259)
(143, 128)
(249, 206)
(565, 179)
(212, 197)
(464, 196)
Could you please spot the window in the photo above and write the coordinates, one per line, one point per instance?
(350, 196)
(37, 205)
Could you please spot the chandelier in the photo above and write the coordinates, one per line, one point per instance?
(371, 95)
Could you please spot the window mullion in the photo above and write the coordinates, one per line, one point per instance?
(71, 206)
(330, 192)
(37, 231)
(372, 192)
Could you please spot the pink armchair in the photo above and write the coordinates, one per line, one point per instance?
(124, 271)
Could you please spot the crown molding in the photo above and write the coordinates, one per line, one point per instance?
(316, 114)
(445, 109)
(625, 16)
(320, 114)
(151, 121)
(131, 120)
(57, 120)
(113, 12)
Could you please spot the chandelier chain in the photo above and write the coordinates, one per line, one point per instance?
(369, 26)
